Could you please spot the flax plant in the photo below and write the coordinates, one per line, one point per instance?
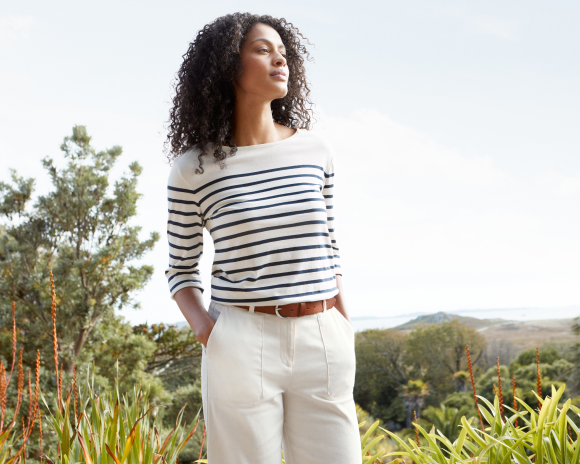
(107, 428)
(112, 428)
(544, 437)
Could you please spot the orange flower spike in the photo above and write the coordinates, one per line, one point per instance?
(75, 386)
(515, 401)
(202, 440)
(3, 388)
(54, 337)
(499, 389)
(538, 378)
(13, 339)
(473, 385)
(30, 401)
(416, 429)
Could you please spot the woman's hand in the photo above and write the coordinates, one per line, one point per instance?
(190, 302)
(340, 304)
(202, 331)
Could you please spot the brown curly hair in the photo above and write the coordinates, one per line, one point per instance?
(203, 104)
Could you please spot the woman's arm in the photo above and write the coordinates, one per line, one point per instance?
(340, 301)
(190, 302)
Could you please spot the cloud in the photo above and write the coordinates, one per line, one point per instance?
(13, 28)
(424, 227)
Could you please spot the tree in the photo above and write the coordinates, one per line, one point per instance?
(436, 353)
(81, 229)
(381, 374)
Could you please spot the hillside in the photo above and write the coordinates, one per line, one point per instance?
(523, 334)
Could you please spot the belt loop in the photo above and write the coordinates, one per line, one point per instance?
(251, 308)
(323, 305)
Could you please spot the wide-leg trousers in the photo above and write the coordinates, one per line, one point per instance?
(269, 382)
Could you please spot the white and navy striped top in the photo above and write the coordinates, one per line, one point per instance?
(270, 215)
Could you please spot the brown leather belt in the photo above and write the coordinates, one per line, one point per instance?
(295, 309)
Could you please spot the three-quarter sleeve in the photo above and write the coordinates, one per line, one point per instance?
(184, 234)
(330, 216)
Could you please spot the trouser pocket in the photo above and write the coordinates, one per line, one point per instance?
(234, 357)
(338, 337)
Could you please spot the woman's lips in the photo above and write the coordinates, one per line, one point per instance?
(279, 76)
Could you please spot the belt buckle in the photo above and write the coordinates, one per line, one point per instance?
(276, 309)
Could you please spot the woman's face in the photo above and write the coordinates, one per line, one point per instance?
(263, 58)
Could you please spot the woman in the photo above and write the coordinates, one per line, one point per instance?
(278, 360)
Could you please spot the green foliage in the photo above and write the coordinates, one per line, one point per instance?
(81, 228)
(547, 356)
(116, 429)
(541, 437)
(380, 372)
(445, 419)
(176, 356)
(435, 353)
(461, 400)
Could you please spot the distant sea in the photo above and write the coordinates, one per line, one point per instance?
(517, 314)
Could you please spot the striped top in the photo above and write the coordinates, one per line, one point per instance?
(270, 215)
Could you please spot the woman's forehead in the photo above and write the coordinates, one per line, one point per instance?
(261, 31)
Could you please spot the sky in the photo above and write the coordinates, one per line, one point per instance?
(455, 126)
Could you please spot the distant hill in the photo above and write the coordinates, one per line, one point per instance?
(438, 318)
(523, 334)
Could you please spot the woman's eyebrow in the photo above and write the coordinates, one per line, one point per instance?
(266, 40)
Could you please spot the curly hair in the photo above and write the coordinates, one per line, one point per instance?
(203, 104)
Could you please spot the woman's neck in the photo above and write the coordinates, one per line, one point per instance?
(253, 124)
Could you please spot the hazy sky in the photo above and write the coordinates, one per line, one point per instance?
(455, 125)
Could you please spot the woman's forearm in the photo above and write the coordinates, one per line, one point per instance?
(190, 302)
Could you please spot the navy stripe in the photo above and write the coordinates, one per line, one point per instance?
(182, 213)
(258, 182)
(180, 224)
(182, 267)
(266, 253)
(191, 266)
(257, 173)
(181, 273)
(273, 205)
(185, 237)
(177, 247)
(184, 202)
(267, 229)
(265, 198)
(273, 276)
(259, 300)
(269, 189)
(278, 263)
(182, 258)
(272, 287)
(271, 240)
(271, 216)
(177, 189)
(329, 175)
(182, 282)
(329, 186)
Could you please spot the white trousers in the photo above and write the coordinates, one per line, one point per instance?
(269, 382)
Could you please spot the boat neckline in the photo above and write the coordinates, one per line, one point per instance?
(269, 144)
